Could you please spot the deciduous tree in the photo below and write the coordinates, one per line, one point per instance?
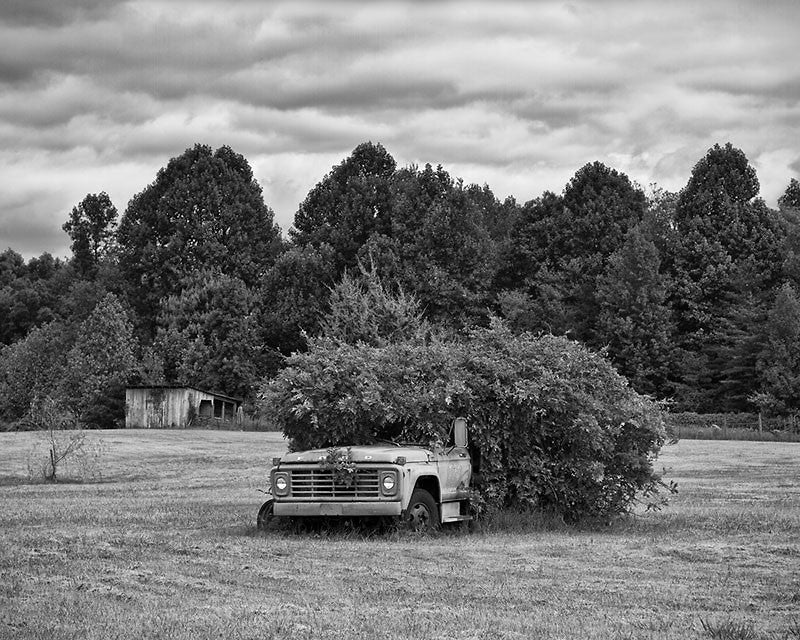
(292, 296)
(32, 368)
(92, 228)
(779, 362)
(347, 205)
(791, 197)
(29, 293)
(204, 211)
(99, 365)
(207, 336)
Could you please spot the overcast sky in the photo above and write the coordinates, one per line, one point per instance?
(97, 95)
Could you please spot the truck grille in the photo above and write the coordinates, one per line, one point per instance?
(318, 483)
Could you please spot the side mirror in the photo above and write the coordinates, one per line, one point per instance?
(460, 432)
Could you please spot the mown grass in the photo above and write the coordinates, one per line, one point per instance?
(734, 433)
(164, 545)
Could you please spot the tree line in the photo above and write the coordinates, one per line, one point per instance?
(692, 295)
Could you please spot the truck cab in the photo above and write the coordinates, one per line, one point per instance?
(423, 485)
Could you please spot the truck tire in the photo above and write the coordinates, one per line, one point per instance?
(265, 515)
(422, 513)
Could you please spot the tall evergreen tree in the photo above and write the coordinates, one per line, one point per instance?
(364, 310)
(635, 322)
(727, 262)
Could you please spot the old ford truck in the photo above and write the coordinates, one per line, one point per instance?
(422, 486)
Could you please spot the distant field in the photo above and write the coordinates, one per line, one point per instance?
(164, 545)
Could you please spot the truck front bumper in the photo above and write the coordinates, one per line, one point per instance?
(337, 508)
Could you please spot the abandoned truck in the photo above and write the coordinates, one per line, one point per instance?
(423, 486)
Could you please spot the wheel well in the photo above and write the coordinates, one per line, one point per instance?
(431, 485)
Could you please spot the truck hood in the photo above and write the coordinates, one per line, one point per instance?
(364, 454)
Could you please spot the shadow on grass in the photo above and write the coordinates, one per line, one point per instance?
(393, 529)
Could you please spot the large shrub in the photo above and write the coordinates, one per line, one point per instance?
(553, 426)
(32, 369)
(557, 427)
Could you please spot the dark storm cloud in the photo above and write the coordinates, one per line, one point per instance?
(53, 12)
(780, 89)
(366, 92)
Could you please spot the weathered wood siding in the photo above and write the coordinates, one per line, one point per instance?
(176, 408)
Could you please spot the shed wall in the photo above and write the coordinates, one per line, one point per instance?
(172, 408)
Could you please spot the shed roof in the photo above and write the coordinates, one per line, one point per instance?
(221, 396)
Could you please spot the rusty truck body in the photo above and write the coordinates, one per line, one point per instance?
(422, 486)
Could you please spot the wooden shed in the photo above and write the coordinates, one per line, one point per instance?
(168, 407)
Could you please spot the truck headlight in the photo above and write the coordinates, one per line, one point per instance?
(389, 483)
(280, 484)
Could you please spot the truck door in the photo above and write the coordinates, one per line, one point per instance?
(455, 467)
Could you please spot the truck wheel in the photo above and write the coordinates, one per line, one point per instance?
(422, 513)
(265, 515)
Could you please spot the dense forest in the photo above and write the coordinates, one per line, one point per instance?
(692, 295)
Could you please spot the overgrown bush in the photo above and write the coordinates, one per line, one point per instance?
(553, 425)
(557, 427)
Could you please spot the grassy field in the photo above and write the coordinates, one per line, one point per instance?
(164, 545)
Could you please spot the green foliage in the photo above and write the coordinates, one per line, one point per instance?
(29, 293)
(531, 244)
(779, 362)
(92, 228)
(292, 295)
(720, 179)
(635, 321)
(99, 365)
(437, 244)
(361, 309)
(204, 211)
(682, 304)
(340, 463)
(32, 369)
(791, 197)
(345, 207)
(555, 427)
(337, 393)
(601, 204)
(726, 263)
(207, 336)
(560, 246)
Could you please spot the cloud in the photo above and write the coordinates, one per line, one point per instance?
(26, 228)
(49, 13)
(99, 95)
